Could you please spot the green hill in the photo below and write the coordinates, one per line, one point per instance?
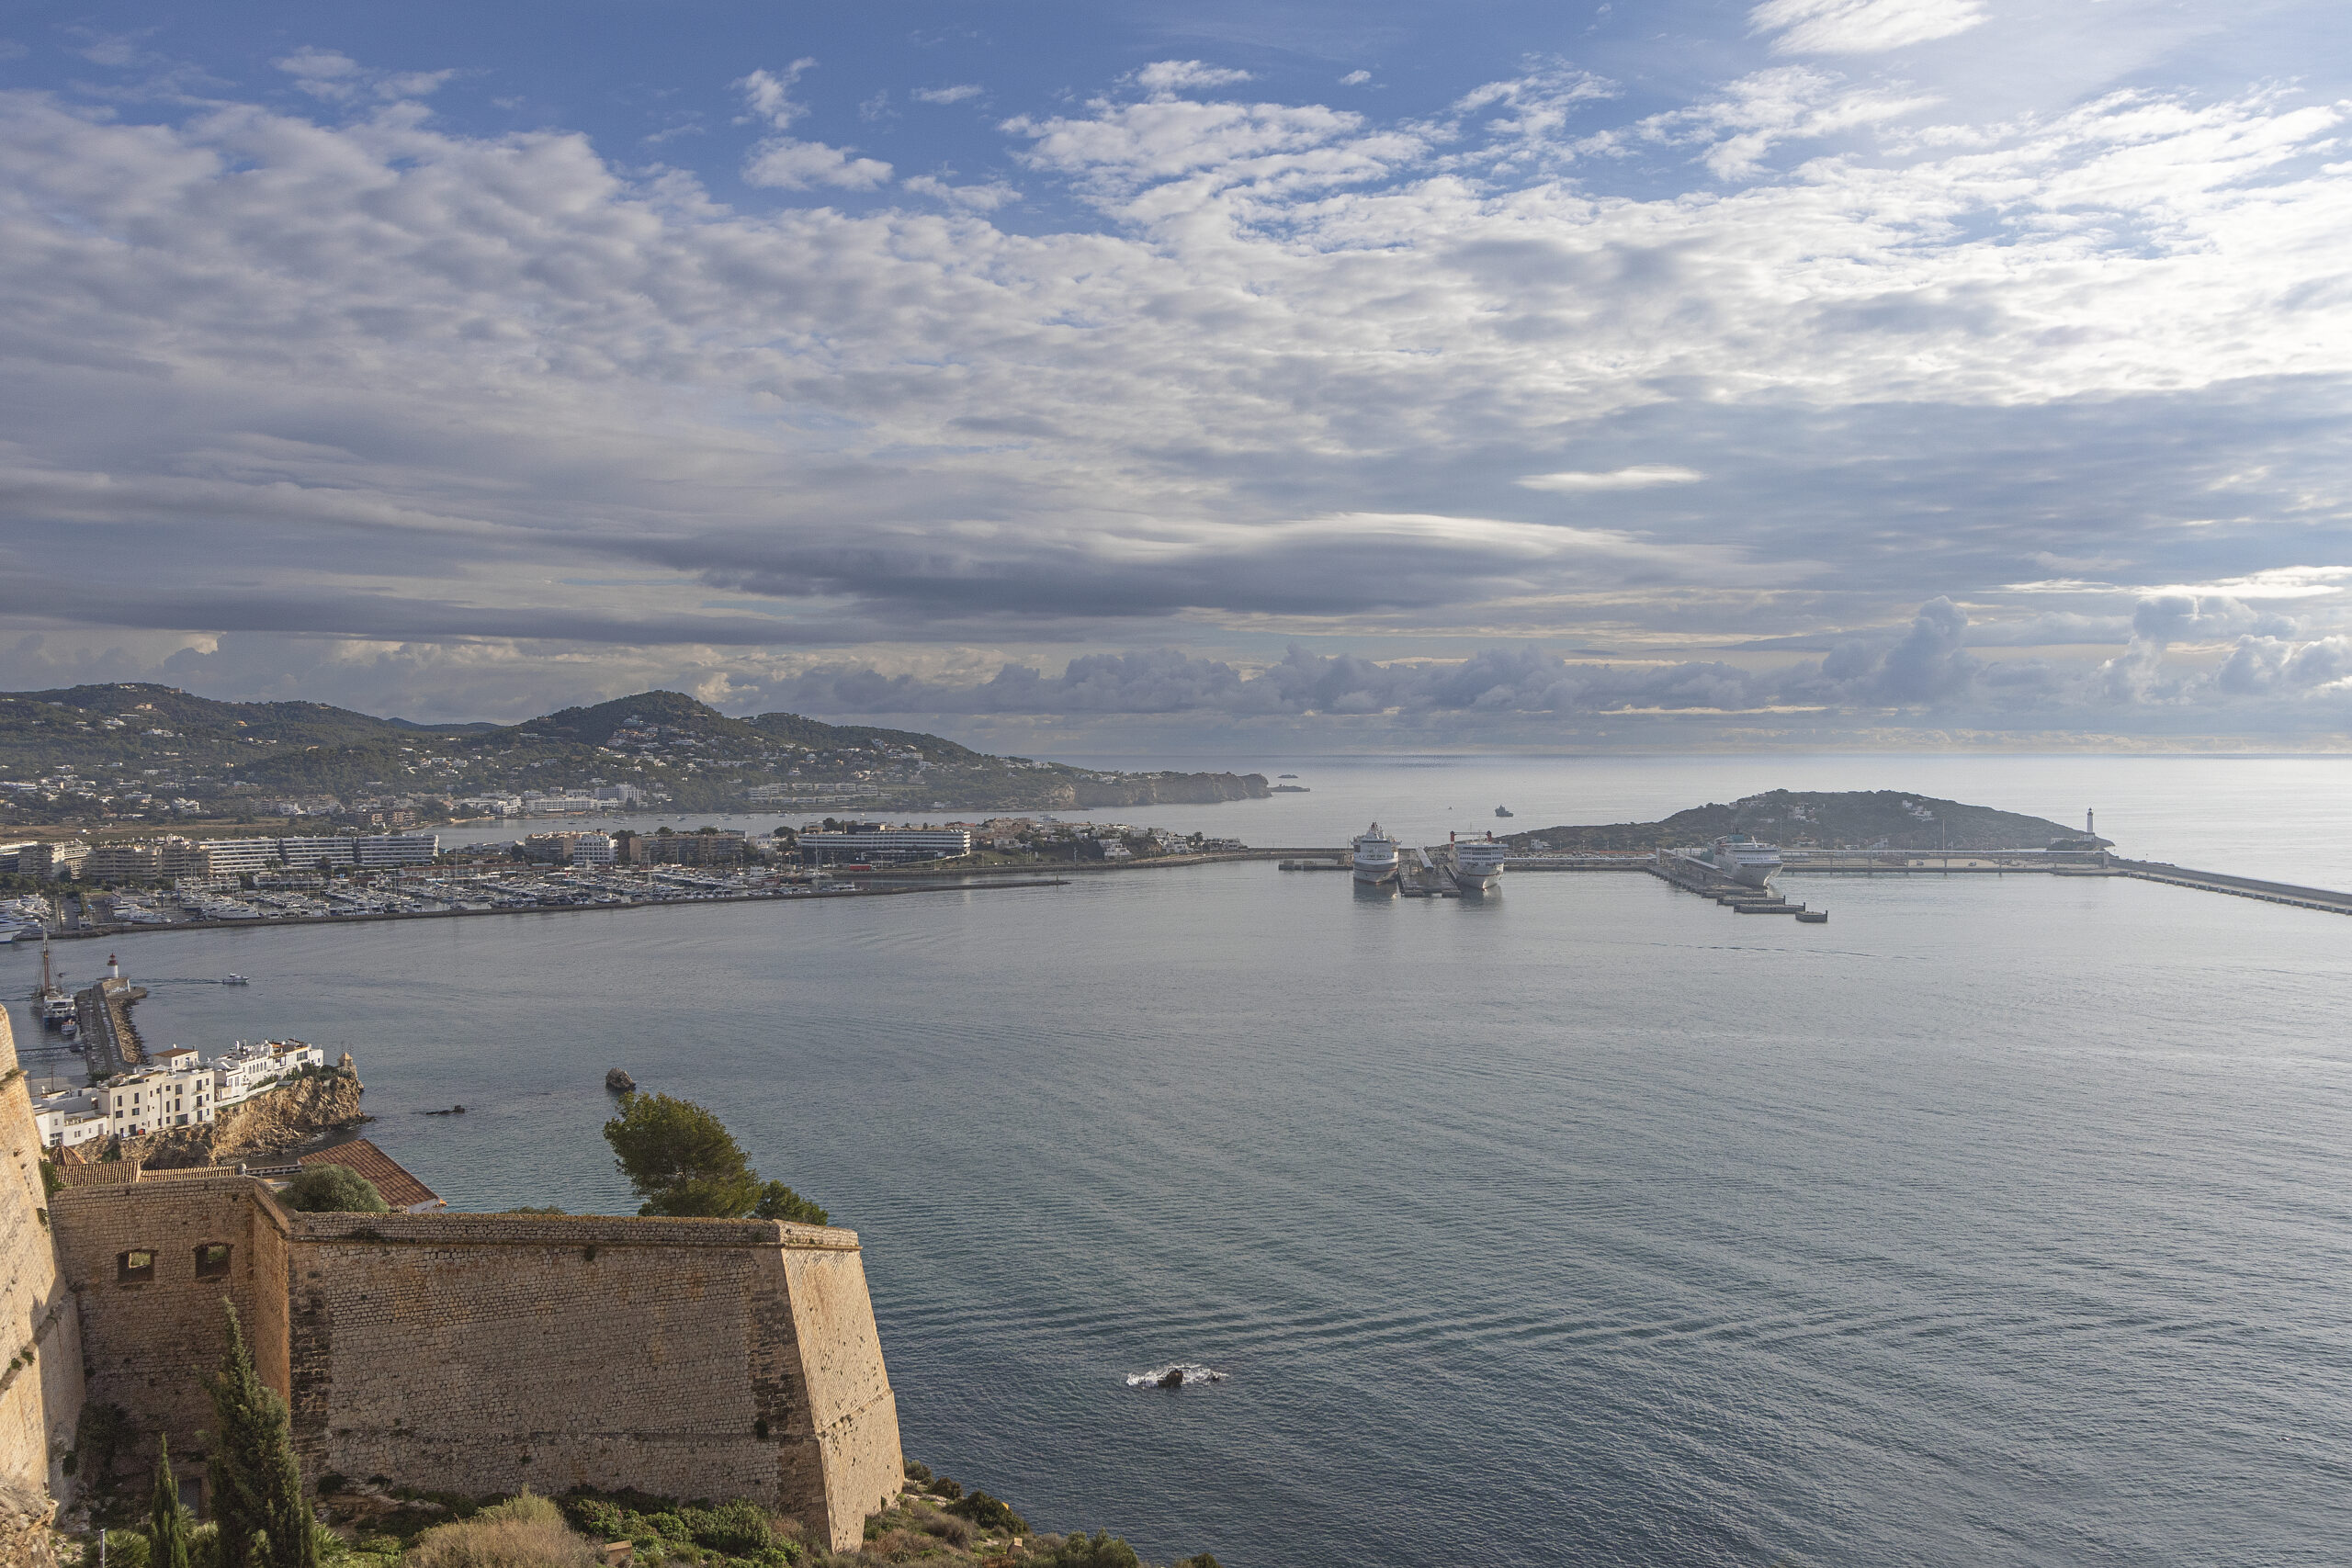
(141, 753)
(1817, 819)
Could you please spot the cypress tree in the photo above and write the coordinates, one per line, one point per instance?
(258, 1483)
(167, 1520)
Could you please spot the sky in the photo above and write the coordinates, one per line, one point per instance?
(1490, 376)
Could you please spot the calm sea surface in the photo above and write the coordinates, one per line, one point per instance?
(1999, 1221)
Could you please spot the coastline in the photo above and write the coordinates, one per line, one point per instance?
(378, 915)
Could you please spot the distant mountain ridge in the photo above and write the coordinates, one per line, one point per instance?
(1822, 819)
(135, 749)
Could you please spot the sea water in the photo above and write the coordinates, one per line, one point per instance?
(2001, 1220)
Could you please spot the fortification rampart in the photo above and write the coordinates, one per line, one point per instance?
(40, 1391)
(153, 1256)
(481, 1353)
(474, 1353)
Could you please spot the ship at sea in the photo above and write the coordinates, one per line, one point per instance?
(1476, 861)
(1375, 855)
(1739, 857)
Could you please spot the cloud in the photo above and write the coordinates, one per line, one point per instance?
(1242, 372)
(958, 93)
(1640, 476)
(985, 197)
(1862, 27)
(767, 95)
(1164, 78)
(788, 164)
(785, 162)
(337, 78)
(1355, 78)
(2272, 582)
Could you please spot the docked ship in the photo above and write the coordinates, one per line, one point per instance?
(1739, 857)
(1476, 861)
(52, 1001)
(1375, 855)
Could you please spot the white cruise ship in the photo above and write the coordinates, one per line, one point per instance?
(1741, 858)
(1478, 861)
(1375, 855)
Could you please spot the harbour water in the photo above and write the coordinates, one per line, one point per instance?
(2001, 1220)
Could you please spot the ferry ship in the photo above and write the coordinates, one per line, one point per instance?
(1476, 861)
(1741, 858)
(1375, 855)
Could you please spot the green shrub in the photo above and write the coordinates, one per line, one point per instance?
(947, 1486)
(333, 1189)
(988, 1514)
(1103, 1549)
(127, 1548)
(525, 1532)
(918, 1472)
(738, 1528)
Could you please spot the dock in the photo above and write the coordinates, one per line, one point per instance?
(110, 1041)
(1418, 877)
(1738, 897)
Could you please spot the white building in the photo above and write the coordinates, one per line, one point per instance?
(232, 857)
(178, 1089)
(591, 849)
(398, 849)
(70, 1117)
(872, 844)
(307, 852)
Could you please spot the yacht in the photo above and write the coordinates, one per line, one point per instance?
(1476, 861)
(1504, 811)
(1375, 855)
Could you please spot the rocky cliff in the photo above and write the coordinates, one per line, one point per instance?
(269, 1124)
(1166, 789)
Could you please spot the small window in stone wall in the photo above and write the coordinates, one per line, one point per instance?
(137, 1266)
(212, 1261)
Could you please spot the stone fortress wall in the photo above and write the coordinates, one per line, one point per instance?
(688, 1358)
(40, 1391)
(471, 1353)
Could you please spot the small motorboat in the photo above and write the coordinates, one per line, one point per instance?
(1504, 811)
(235, 980)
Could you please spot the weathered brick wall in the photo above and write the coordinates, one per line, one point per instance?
(692, 1358)
(144, 1342)
(853, 1414)
(40, 1391)
(481, 1353)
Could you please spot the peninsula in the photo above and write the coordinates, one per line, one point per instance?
(1859, 820)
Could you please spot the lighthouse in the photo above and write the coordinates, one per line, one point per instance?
(114, 967)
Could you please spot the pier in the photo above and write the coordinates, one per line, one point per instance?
(110, 1041)
(1418, 877)
(2236, 887)
(1741, 900)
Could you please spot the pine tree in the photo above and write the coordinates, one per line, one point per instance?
(257, 1483)
(167, 1529)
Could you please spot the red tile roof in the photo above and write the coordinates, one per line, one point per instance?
(403, 1192)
